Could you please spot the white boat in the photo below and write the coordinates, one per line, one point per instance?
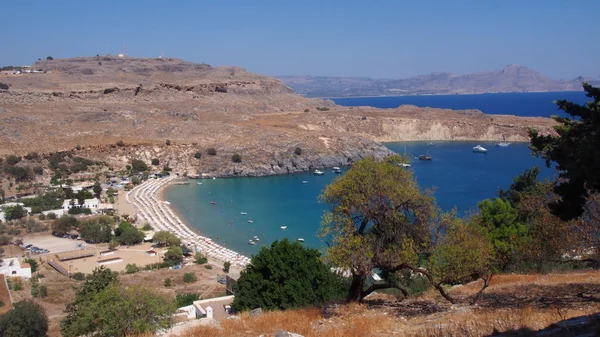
(300, 240)
(404, 165)
(166, 202)
(431, 144)
(255, 238)
(319, 173)
(243, 213)
(503, 144)
(283, 227)
(304, 182)
(199, 183)
(250, 221)
(214, 178)
(479, 149)
(250, 242)
(337, 169)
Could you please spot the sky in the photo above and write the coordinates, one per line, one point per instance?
(380, 39)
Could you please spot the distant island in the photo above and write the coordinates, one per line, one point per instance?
(512, 78)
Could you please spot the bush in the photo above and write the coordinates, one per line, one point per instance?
(295, 276)
(226, 266)
(138, 165)
(78, 147)
(297, 151)
(131, 268)
(39, 290)
(167, 282)
(38, 170)
(3, 86)
(155, 161)
(306, 110)
(168, 142)
(208, 266)
(33, 263)
(174, 255)
(17, 284)
(197, 155)
(13, 160)
(189, 278)
(32, 156)
(147, 227)
(120, 143)
(49, 58)
(200, 259)
(42, 217)
(183, 300)
(51, 215)
(4, 240)
(323, 108)
(78, 276)
(211, 151)
(236, 158)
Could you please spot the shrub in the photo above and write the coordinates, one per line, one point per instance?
(197, 155)
(306, 110)
(147, 227)
(323, 108)
(189, 278)
(138, 165)
(168, 142)
(17, 284)
(226, 266)
(4, 240)
(78, 276)
(42, 217)
(32, 156)
(211, 151)
(131, 268)
(78, 147)
(167, 282)
(297, 151)
(236, 158)
(120, 143)
(38, 170)
(3, 86)
(155, 161)
(208, 266)
(113, 245)
(39, 290)
(51, 215)
(200, 259)
(33, 263)
(27, 319)
(12, 159)
(182, 300)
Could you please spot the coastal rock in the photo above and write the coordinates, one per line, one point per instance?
(283, 333)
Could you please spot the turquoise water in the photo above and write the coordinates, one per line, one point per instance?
(459, 176)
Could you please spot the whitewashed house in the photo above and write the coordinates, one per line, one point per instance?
(87, 203)
(12, 267)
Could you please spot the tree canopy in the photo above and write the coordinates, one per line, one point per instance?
(286, 275)
(166, 238)
(575, 151)
(14, 212)
(27, 319)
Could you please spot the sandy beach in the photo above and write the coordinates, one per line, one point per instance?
(151, 207)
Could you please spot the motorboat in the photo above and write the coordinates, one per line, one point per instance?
(425, 157)
(404, 165)
(166, 202)
(319, 173)
(255, 238)
(252, 243)
(283, 227)
(250, 221)
(503, 144)
(431, 144)
(479, 149)
(213, 203)
(199, 183)
(300, 240)
(304, 182)
(243, 213)
(337, 169)
(214, 178)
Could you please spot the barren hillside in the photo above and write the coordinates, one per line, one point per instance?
(95, 102)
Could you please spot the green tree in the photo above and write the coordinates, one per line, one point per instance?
(49, 58)
(138, 165)
(12, 160)
(167, 142)
(286, 275)
(118, 311)
(131, 268)
(236, 158)
(575, 151)
(14, 212)
(97, 189)
(174, 255)
(33, 263)
(379, 218)
(199, 258)
(167, 282)
(165, 238)
(226, 266)
(95, 231)
(27, 319)
(131, 237)
(183, 300)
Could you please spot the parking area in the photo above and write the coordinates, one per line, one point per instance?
(55, 244)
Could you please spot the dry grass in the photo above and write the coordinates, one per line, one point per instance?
(512, 302)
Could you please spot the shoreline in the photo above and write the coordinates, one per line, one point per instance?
(148, 198)
(440, 94)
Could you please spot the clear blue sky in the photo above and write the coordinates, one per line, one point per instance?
(392, 39)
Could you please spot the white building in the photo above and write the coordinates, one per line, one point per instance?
(87, 203)
(12, 267)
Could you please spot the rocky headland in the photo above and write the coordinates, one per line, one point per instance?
(90, 104)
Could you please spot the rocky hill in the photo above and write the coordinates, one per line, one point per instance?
(93, 103)
(512, 78)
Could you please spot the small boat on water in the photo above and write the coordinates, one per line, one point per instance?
(431, 144)
(283, 227)
(250, 221)
(252, 243)
(319, 173)
(337, 169)
(166, 202)
(214, 178)
(425, 157)
(300, 240)
(255, 238)
(479, 149)
(404, 165)
(503, 144)
(213, 203)
(243, 213)
(304, 182)
(199, 183)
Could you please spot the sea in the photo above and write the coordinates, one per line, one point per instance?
(458, 177)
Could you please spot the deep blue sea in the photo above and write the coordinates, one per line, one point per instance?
(460, 178)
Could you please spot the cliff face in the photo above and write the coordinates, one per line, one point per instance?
(96, 102)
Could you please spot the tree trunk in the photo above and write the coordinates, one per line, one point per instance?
(356, 287)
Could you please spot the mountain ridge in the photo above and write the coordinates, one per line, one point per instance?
(511, 78)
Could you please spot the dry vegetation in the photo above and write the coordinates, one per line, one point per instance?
(512, 302)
